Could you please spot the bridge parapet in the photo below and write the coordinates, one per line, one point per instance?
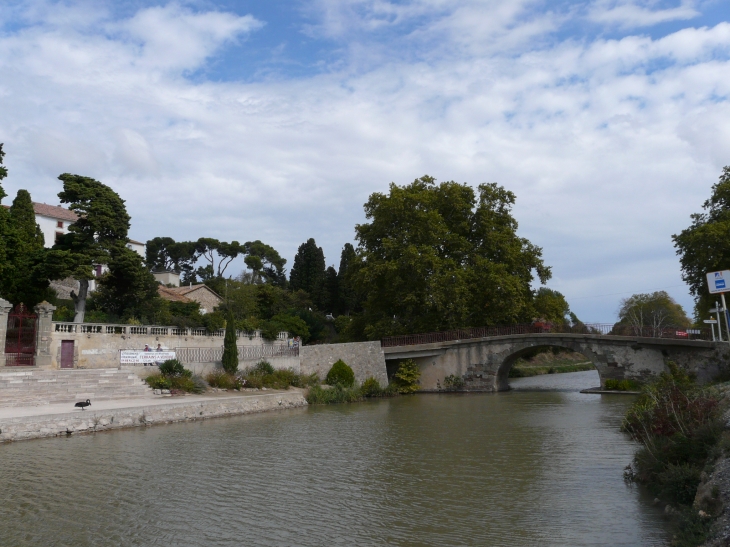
(484, 363)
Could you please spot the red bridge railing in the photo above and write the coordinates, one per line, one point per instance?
(612, 329)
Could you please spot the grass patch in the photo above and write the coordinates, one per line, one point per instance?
(261, 375)
(318, 395)
(176, 378)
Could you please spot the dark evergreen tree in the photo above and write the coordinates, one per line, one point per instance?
(308, 272)
(24, 254)
(331, 299)
(4, 225)
(230, 350)
(128, 289)
(347, 298)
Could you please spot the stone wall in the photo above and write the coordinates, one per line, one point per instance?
(98, 346)
(199, 408)
(365, 358)
(206, 368)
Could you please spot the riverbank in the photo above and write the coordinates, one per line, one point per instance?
(549, 362)
(22, 423)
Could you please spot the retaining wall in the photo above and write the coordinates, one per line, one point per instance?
(54, 425)
(365, 358)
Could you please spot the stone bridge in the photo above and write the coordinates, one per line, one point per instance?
(484, 363)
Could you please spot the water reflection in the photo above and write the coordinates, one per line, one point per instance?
(513, 469)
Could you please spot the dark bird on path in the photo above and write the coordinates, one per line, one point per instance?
(83, 404)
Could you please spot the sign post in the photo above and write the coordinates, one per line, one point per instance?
(719, 283)
(712, 324)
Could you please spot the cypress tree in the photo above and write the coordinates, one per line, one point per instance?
(308, 272)
(24, 252)
(230, 350)
(3, 226)
(347, 297)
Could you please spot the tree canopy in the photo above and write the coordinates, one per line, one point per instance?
(98, 234)
(308, 272)
(655, 311)
(551, 306)
(436, 257)
(705, 245)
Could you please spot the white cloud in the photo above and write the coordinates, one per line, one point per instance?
(640, 13)
(608, 144)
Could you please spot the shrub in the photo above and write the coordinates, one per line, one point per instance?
(679, 426)
(318, 395)
(340, 375)
(371, 388)
(222, 380)
(452, 382)
(158, 381)
(621, 385)
(262, 367)
(406, 377)
(172, 368)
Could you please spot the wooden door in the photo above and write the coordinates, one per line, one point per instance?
(67, 354)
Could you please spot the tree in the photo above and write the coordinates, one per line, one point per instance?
(165, 254)
(330, 293)
(437, 257)
(24, 249)
(308, 271)
(654, 312)
(230, 350)
(128, 289)
(347, 297)
(551, 306)
(705, 246)
(102, 226)
(265, 263)
(4, 227)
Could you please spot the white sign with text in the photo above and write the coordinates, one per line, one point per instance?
(718, 282)
(137, 357)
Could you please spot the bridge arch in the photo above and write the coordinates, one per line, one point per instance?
(519, 350)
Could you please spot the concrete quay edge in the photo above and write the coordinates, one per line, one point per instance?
(24, 423)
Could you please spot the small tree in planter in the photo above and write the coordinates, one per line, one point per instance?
(230, 350)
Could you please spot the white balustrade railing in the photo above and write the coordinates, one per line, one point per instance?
(104, 328)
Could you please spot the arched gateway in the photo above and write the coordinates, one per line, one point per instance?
(484, 363)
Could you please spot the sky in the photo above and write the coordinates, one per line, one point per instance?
(243, 120)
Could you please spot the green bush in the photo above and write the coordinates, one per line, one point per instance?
(262, 368)
(172, 368)
(453, 383)
(223, 380)
(407, 376)
(679, 426)
(340, 375)
(158, 381)
(371, 388)
(621, 385)
(318, 395)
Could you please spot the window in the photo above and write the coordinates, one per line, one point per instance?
(59, 224)
(59, 235)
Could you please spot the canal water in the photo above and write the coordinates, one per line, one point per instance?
(540, 465)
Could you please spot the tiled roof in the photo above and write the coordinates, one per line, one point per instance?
(171, 295)
(135, 242)
(54, 211)
(187, 289)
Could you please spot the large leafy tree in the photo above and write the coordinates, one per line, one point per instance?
(100, 230)
(551, 306)
(265, 263)
(308, 271)
(705, 246)
(25, 280)
(437, 257)
(653, 311)
(165, 254)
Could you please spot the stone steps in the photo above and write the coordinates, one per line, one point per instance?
(42, 387)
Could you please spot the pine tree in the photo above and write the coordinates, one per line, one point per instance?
(230, 350)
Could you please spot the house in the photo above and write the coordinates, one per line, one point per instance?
(167, 278)
(202, 294)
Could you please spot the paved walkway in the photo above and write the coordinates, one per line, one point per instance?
(117, 404)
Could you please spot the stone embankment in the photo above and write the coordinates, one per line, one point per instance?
(20, 423)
